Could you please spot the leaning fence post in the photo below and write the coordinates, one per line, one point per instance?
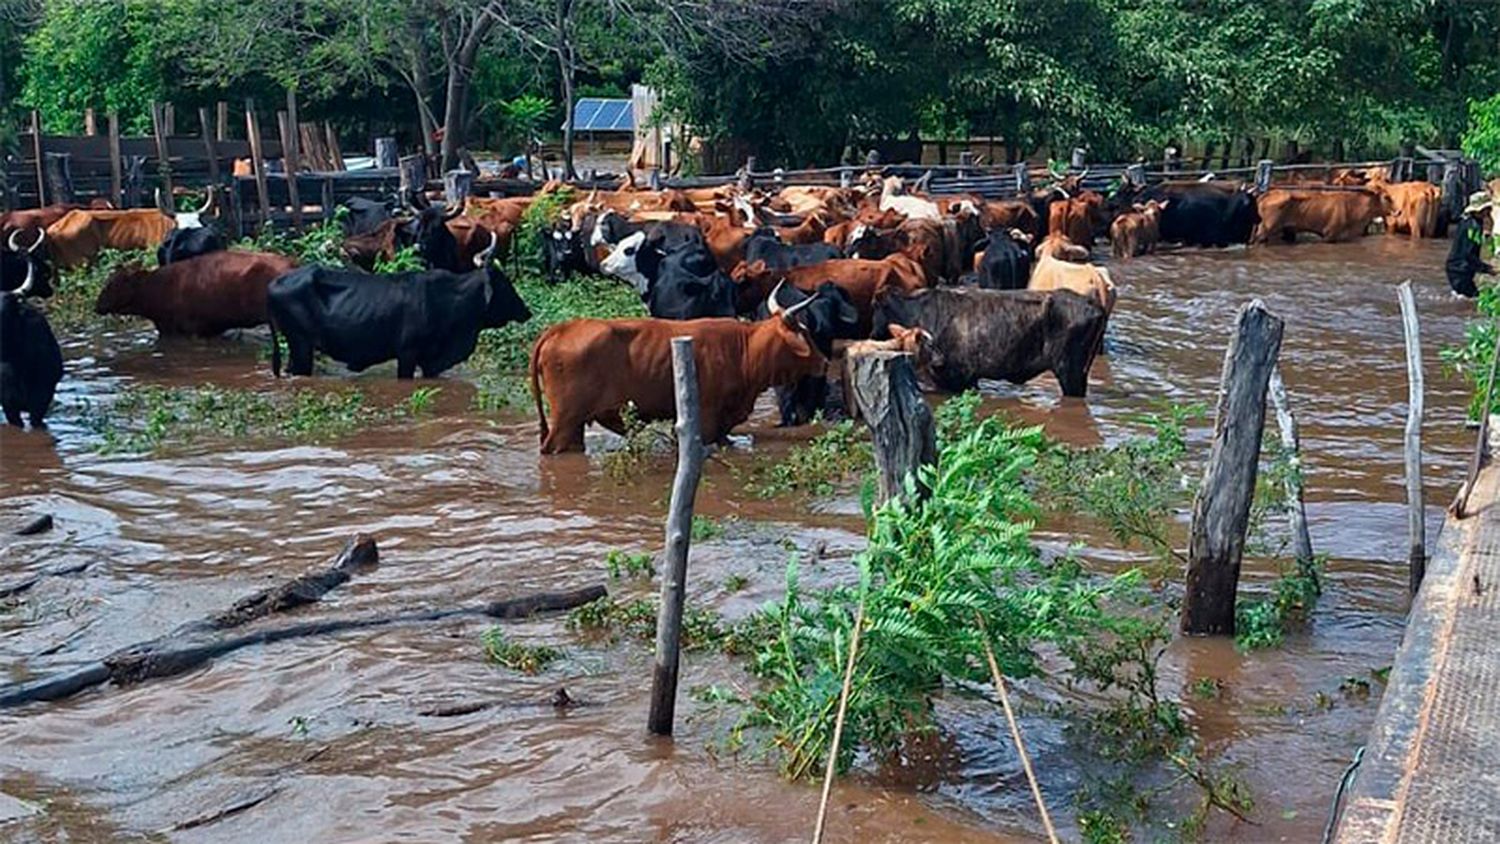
(1416, 514)
(59, 166)
(385, 153)
(1023, 177)
(163, 151)
(888, 398)
(457, 185)
(116, 168)
(679, 532)
(1263, 175)
(1221, 509)
(1302, 550)
(36, 150)
(258, 162)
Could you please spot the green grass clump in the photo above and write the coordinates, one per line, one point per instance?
(816, 468)
(527, 659)
(1264, 622)
(76, 290)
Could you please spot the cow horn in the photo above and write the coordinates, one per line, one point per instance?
(453, 210)
(15, 233)
(41, 235)
(30, 276)
(163, 208)
(771, 303)
(482, 259)
(1059, 189)
(792, 311)
(209, 202)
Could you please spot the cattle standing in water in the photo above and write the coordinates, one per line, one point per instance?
(864, 281)
(680, 283)
(1011, 335)
(16, 265)
(199, 297)
(834, 320)
(1083, 279)
(1335, 215)
(31, 362)
(190, 236)
(426, 319)
(590, 370)
(1136, 232)
(1205, 213)
(1005, 263)
(79, 236)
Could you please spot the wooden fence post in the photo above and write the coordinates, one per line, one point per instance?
(1416, 512)
(889, 400)
(747, 180)
(413, 176)
(1221, 509)
(1078, 159)
(1454, 198)
(291, 155)
(1135, 175)
(846, 178)
(965, 161)
(1291, 442)
(1263, 175)
(258, 162)
(208, 145)
(169, 119)
(59, 167)
(457, 185)
(385, 153)
(221, 131)
(335, 153)
(163, 152)
(679, 532)
(36, 150)
(116, 176)
(327, 203)
(1023, 177)
(90, 122)
(135, 181)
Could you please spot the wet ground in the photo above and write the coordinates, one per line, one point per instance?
(465, 511)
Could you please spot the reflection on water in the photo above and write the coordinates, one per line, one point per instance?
(465, 510)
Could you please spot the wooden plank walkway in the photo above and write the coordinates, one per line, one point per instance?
(1431, 771)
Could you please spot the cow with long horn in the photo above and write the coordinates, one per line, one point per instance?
(26, 266)
(190, 237)
(590, 370)
(31, 361)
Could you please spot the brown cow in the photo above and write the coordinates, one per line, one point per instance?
(79, 235)
(590, 370)
(1057, 245)
(863, 280)
(1410, 207)
(1008, 214)
(1332, 214)
(725, 239)
(1136, 232)
(35, 218)
(1083, 279)
(199, 297)
(379, 244)
(494, 214)
(810, 230)
(1073, 218)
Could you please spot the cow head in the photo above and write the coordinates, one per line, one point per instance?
(607, 228)
(30, 265)
(635, 259)
(186, 219)
(690, 285)
(435, 243)
(118, 294)
(502, 304)
(558, 248)
(823, 316)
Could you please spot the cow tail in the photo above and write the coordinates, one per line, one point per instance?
(534, 370)
(275, 349)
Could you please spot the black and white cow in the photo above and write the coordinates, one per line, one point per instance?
(31, 362)
(191, 236)
(16, 263)
(680, 282)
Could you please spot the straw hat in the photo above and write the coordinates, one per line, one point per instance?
(1478, 201)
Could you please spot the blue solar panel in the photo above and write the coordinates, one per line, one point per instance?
(599, 115)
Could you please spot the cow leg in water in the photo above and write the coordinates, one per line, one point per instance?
(406, 368)
(564, 433)
(299, 357)
(13, 416)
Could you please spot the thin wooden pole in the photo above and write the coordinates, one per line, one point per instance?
(1416, 508)
(221, 115)
(36, 150)
(116, 176)
(1302, 549)
(290, 156)
(679, 533)
(169, 119)
(90, 122)
(838, 722)
(206, 125)
(1221, 509)
(258, 161)
(1015, 731)
(163, 153)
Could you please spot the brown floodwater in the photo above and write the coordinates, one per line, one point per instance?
(465, 510)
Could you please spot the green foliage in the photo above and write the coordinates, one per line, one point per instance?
(626, 564)
(705, 529)
(406, 260)
(636, 619)
(815, 468)
(508, 349)
(536, 222)
(527, 659)
(1482, 137)
(1263, 622)
(421, 400)
(72, 307)
(644, 441)
(322, 243)
(1472, 358)
(147, 418)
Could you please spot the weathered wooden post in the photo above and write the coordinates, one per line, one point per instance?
(90, 122)
(385, 153)
(209, 150)
(457, 185)
(36, 150)
(888, 398)
(1023, 177)
(1221, 509)
(747, 180)
(1416, 520)
(1291, 443)
(59, 167)
(326, 200)
(135, 181)
(1454, 198)
(221, 114)
(679, 532)
(1078, 160)
(169, 119)
(846, 178)
(163, 150)
(258, 162)
(1135, 175)
(291, 155)
(413, 176)
(335, 152)
(1263, 175)
(116, 176)
(965, 161)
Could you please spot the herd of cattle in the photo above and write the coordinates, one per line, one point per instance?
(772, 286)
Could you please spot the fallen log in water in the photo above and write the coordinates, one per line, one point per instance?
(40, 524)
(176, 653)
(309, 588)
(10, 589)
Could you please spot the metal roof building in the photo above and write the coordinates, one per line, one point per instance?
(592, 114)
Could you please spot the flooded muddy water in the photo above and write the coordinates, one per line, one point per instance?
(328, 731)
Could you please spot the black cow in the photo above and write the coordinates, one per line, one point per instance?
(366, 215)
(678, 282)
(425, 319)
(1006, 263)
(31, 362)
(610, 228)
(1205, 214)
(565, 250)
(16, 263)
(435, 244)
(832, 316)
(764, 245)
(181, 244)
(1014, 335)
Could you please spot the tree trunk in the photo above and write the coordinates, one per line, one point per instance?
(566, 71)
(460, 72)
(421, 85)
